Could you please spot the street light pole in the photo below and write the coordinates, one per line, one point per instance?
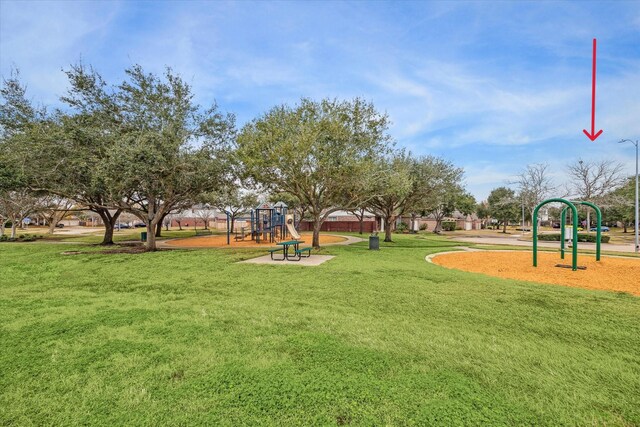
(523, 215)
(637, 244)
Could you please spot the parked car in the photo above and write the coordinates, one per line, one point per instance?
(140, 225)
(122, 226)
(59, 225)
(603, 228)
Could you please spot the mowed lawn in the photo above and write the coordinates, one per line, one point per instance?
(369, 338)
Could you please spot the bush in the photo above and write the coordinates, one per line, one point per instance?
(448, 225)
(20, 238)
(402, 227)
(591, 238)
(423, 227)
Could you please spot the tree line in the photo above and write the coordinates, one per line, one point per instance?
(145, 147)
(601, 182)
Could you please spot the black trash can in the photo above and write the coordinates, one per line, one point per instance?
(143, 236)
(374, 242)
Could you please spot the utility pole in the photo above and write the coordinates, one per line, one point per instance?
(637, 244)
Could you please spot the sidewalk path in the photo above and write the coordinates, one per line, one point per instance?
(514, 241)
(350, 240)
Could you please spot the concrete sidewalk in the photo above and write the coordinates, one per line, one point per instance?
(312, 261)
(514, 241)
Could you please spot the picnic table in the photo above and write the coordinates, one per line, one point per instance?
(297, 252)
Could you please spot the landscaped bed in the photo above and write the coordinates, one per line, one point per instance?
(220, 241)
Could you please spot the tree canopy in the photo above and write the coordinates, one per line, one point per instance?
(503, 205)
(322, 152)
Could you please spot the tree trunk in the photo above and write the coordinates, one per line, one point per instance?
(107, 239)
(109, 224)
(14, 228)
(54, 219)
(438, 228)
(317, 223)
(159, 229)
(151, 236)
(624, 226)
(361, 220)
(504, 227)
(52, 225)
(387, 228)
(233, 223)
(179, 225)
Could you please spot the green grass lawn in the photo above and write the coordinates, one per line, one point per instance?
(369, 338)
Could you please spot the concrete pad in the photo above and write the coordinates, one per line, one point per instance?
(312, 261)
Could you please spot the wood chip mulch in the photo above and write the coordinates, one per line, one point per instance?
(610, 273)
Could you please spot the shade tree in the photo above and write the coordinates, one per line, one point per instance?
(503, 205)
(618, 205)
(394, 192)
(441, 189)
(321, 152)
(21, 124)
(162, 149)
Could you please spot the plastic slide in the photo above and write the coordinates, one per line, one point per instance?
(292, 230)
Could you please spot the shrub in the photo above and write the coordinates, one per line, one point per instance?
(591, 238)
(448, 225)
(20, 238)
(423, 227)
(402, 227)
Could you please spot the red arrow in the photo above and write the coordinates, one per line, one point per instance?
(593, 135)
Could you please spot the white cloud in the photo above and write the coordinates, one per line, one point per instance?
(40, 38)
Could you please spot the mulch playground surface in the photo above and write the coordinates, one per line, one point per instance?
(610, 273)
(220, 241)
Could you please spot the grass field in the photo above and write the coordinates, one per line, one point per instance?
(189, 337)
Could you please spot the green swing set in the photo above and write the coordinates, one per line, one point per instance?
(574, 211)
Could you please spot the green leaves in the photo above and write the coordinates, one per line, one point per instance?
(503, 204)
(321, 152)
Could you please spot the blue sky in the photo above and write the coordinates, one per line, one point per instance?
(491, 86)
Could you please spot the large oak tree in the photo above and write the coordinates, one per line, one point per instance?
(322, 152)
(168, 150)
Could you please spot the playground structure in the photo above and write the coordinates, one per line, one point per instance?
(290, 223)
(574, 237)
(267, 222)
(267, 225)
